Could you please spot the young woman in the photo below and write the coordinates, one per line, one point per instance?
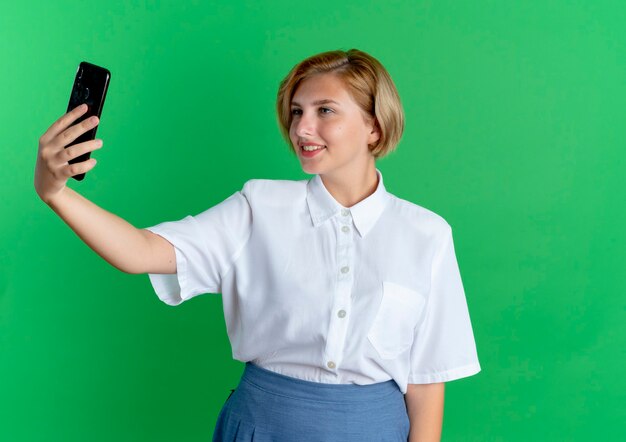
(344, 301)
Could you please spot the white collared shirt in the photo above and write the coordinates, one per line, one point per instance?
(324, 293)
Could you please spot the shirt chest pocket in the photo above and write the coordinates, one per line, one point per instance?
(399, 312)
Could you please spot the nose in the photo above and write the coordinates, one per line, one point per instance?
(303, 125)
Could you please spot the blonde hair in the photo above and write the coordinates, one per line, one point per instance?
(367, 81)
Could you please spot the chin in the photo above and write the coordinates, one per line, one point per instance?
(311, 169)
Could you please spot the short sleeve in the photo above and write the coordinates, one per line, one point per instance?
(206, 246)
(444, 347)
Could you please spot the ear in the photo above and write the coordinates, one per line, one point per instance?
(374, 134)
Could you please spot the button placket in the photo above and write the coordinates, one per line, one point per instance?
(338, 324)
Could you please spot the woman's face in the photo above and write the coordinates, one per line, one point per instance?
(325, 117)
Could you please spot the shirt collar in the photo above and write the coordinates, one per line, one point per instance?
(322, 205)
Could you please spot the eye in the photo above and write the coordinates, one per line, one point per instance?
(326, 110)
(296, 111)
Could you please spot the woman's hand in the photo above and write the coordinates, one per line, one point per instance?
(53, 169)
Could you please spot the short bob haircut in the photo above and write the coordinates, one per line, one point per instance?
(367, 81)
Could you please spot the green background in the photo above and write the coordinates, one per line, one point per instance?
(515, 134)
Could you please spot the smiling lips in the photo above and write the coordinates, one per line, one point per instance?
(311, 150)
(312, 147)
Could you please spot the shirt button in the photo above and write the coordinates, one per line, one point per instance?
(331, 364)
(345, 212)
(345, 269)
(341, 313)
(345, 229)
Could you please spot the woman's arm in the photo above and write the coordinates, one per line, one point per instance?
(424, 405)
(122, 245)
(118, 242)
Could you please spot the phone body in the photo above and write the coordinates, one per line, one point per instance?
(90, 86)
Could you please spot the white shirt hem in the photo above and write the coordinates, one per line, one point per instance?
(445, 376)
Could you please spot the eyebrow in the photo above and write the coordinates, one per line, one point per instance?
(316, 103)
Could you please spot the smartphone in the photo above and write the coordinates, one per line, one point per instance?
(90, 86)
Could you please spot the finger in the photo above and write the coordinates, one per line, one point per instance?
(63, 123)
(68, 154)
(70, 134)
(77, 168)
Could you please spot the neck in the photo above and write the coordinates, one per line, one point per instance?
(350, 189)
